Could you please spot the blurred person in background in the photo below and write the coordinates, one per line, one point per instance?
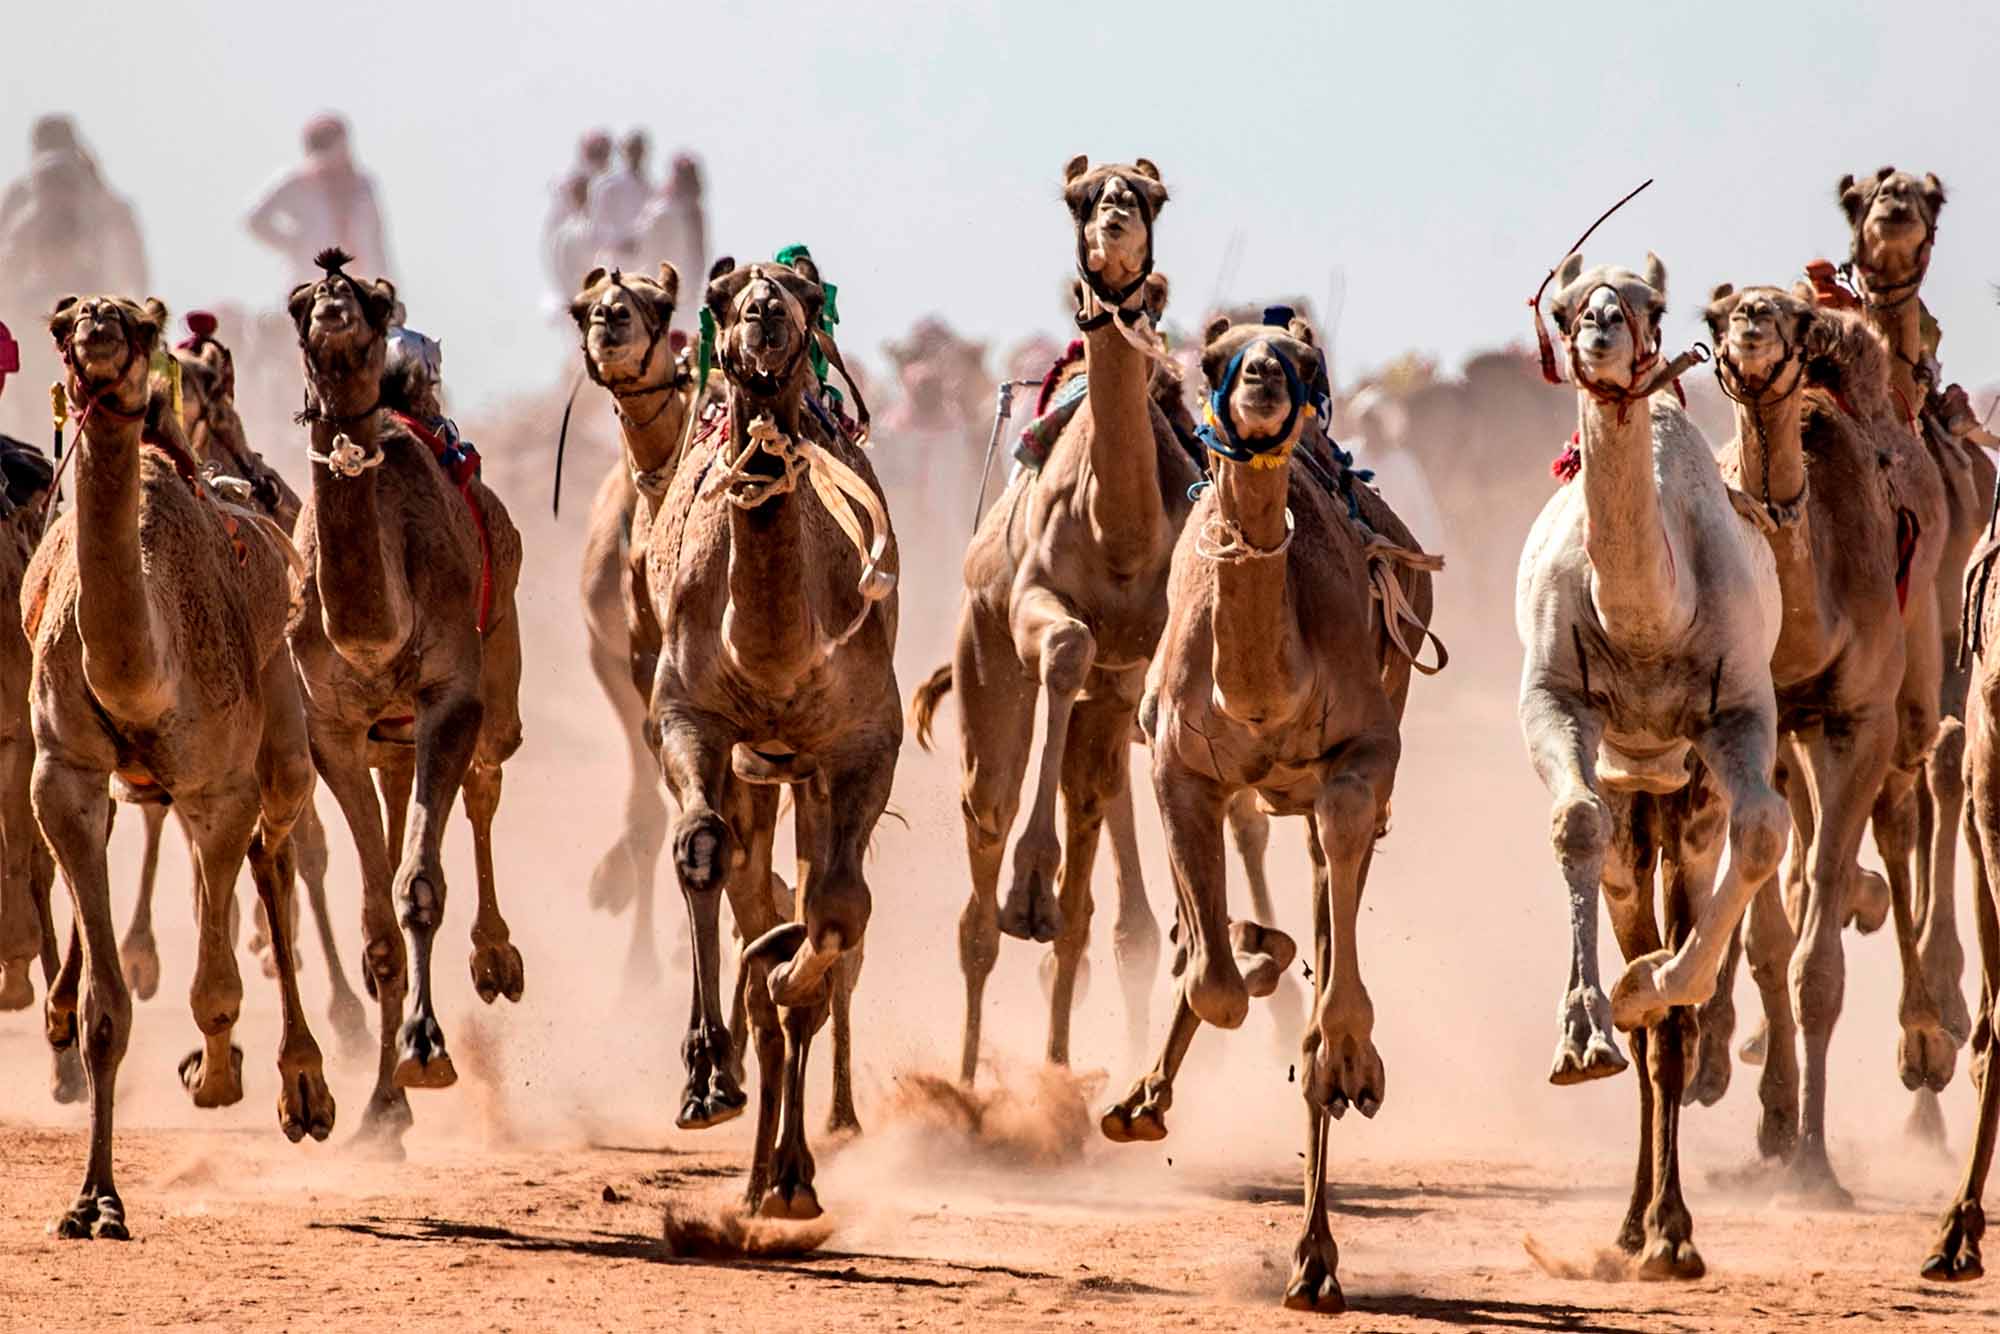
(62, 230)
(570, 245)
(325, 201)
(1378, 439)
(618, 197)
(673, 227)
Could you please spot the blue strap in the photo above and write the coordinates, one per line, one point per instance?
(1220, 434)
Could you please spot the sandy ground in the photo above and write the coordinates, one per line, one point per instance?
(534, 1191)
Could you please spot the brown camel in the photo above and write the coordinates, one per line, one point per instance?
(410, 651)
(157, 616)
(1809, 386)
(27, 873)
(1066, 594)
(623, 323)
(1276, 676)
(221, 447)
(1955, 1257)
(1892, 218)
(1649, 605)
(772, 571)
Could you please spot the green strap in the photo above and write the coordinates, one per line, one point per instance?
(829, 310)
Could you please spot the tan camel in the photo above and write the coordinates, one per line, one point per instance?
(221, 447)
(1809, 387)
(1649, 608)
(623, 323)
(410, 651)
(1275, 677)
(27, 873)
(1955, 1256)
(157, 616)
(772, 572)
(1065, 598)
(1892, 218)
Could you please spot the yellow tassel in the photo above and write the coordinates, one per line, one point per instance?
(166, 365)
(58, 405)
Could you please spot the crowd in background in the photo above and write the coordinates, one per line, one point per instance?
(608, 210)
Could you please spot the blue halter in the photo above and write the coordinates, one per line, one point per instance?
(1219, 432)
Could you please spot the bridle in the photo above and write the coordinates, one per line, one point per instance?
(1885, 297)
(1648, 373)
(770, 382)
(83, 404)
(1218, 430)
(1756, 400)
(629, 386)
(315, 408)
(1114, 301)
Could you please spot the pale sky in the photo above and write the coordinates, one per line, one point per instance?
(1439, 155)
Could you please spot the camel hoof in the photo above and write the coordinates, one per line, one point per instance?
(17, 987)
(1956, 1258)
(425, 1064)
(1636, 1000)
(213, 1088)
(1599, 1059)
(1712, 1068)
(615, 881)
(66, 1081)
(1670, 1259)
(139, 960)
(1867, 902)
(382, 964)
(382, 1128)
(1344, 1069)
(1954, 1018)
(1214, 987)
(305, 1104)
(497, 971)
(1314, 1286)
(842, 1123)
(1778, 1132)
(1926, 1057)
(704, 1109)
(1030, 910)
(94, 1217)
(798, 1203)
(1141, 1116)
(1263, 953)
(1810, 1184)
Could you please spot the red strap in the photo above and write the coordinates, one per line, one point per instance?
(435, 443)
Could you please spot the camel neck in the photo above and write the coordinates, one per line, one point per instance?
(124, 658)
(1122, 491)
(1634, 583)
(364, 596)
(1769, 434)
(1903, 329)
(1257, 656)
(651, 423)
(769, 628)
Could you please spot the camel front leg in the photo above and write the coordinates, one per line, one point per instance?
(1937, 926)
(496, 963)
(1135, 937)
(1250, 831)
(1314, 1284)
(1094, 761)
(448, 719)
(1045, 632)
(219, 823)
(20, 915)
(694, 758)
(1955, 1257)
(757, 898)
(1191, 809)
(1563, 732)
(340, 754)
(72, 807)
(1738, 751)
(1345, 1068)
(1695, 834)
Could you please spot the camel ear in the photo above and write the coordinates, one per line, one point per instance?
(670, 282)
(724, 264)
(299, 305)
(1216, 328)
(1302, 331)
(808, 293)
(1720, 291)
(1567, 272)
(722, 288)
(593, 278)
(1716, 313)
(1075, 167)
(1883, 174)
(378, 302)
(1852, 199)
(1655, 273)
(62, 319)
(1144, 166)
(1155, 298)
(148, 319)
(1933, 193)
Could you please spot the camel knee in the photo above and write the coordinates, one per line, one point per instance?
(1067, 652)
(106, 1019)
(839, 908)
(978, 938)
(1758, 828)
(1819, 982)
(1580, 828)
(701, 850)
(1947, 762)
(1346, 814)
(987, 819)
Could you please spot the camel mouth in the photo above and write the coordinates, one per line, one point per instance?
(99, 345)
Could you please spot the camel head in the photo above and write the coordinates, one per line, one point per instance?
(107, 342)
(1114, 207)
(1759, 332)
(342, 321)
(1264, 382)
(764, 316)
(623, 320)
(1893, 218)
(1596, 311)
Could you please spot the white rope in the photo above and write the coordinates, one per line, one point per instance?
(1383, 557)
(846, 497)
(345, 458)
(1221, 540)
(1139, 333)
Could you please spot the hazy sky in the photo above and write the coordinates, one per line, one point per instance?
(1439, 155)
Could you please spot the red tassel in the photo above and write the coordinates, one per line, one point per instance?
(1569, 463)
(1546, 348)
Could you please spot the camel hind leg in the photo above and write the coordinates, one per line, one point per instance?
(1135, 937)
(695, 758)
(1093, 758)
(21, 932)
(1047, 633)
(1250, 830)
(140, 951)
(1314, 1284)
(309, 849)
(496, 963)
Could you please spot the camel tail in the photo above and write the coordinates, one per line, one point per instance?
(924, 703)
